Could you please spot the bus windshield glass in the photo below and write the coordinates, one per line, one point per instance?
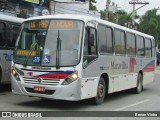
(49, 43)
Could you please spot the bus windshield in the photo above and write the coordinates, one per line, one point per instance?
(49, 43)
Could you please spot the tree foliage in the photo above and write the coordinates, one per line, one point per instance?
(150, 24)
(123, 17)
(111, 18)
(91, 5)
(120, 17)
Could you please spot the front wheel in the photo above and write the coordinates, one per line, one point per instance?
(101, 91)
(139, 87)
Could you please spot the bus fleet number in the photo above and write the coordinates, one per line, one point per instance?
(8, 57)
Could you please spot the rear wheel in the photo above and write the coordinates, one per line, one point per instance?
(101, 91)
(138, 89)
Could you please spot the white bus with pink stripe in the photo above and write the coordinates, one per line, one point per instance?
(76, 57)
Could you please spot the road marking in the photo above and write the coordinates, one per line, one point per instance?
(125, 107)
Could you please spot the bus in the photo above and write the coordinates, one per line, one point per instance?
(76, 57)
(9, 27)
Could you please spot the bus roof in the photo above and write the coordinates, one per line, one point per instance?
(11, 18)
(64, 16)
(86, 18)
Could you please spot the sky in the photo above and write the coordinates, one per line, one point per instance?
(124, 4)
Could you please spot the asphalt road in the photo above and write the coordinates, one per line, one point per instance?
(148, 100)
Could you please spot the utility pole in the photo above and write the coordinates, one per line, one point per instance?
(52, 7)
(133, 14)
(134, 2)
(107, 9)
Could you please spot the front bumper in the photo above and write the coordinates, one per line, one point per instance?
(71, 92)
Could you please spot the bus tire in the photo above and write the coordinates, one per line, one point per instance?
(139, 87)
(101, 92)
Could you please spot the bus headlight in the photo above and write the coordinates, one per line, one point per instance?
(15, 74)
(70, 78)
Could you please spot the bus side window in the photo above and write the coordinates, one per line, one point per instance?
(90, 46)
(140, 46)
(12, 35)
(2, 36)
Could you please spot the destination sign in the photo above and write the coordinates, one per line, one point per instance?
(25, 52)
(54, 24)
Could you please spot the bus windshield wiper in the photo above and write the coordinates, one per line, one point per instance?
(29, 54)
(40, 50)
(58, 52)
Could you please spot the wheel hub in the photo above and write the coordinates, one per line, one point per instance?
(100, 90)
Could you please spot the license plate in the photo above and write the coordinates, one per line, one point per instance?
(39, 89)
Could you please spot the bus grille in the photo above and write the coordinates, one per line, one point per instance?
(43, 81)
(31, 90)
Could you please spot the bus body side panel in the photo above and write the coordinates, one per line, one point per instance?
(151, 74)
(148, 70)
(2, 65)
(5, 63)
(90, 78)
(93, 72)
(127, 78)
(124, 73)
(147, 66)
(8, 54)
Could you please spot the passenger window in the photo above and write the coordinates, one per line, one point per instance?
(153, 48)
(148, 49)
(140, 46)
(130, 46)
(105, 39)
(3, 43)
(102, 39)
(109, 40)
(12, 35)
(119, 42)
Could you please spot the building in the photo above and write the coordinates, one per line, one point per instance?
(67, 7)
(20, 8)
(30, 8)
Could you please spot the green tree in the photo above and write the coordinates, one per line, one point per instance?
(120, 17)
(91, 5)
(103, 14)
(150, 24)
(111, 16)
(123, 17)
